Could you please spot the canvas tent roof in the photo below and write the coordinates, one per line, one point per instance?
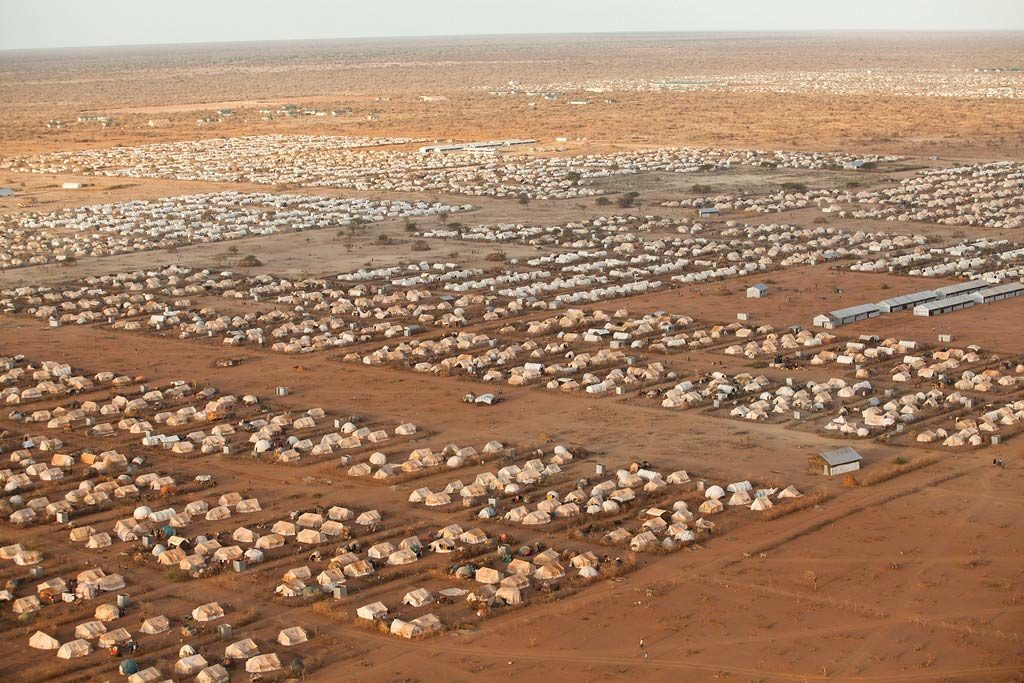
(292, 636)
(263, 663)
(74, 648)
(211, 611)
(242, 649)
(43, 641)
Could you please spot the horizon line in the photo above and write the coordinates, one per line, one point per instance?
(245, 41)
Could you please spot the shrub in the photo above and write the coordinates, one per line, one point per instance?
(627, 200)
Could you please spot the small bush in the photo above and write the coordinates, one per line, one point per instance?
(420, 245)
(627, 200)
(177, 575)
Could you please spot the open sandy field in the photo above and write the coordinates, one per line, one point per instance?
(303, 333)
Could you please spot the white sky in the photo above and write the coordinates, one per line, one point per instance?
(67, 23)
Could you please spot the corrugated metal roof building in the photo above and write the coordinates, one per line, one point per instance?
(945, 305)
(999, 292)
(840, 460)
(906, 301)
(845, 316)
(961, 288)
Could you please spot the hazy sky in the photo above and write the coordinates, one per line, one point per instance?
(65, 23)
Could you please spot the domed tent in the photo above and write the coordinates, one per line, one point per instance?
(714, 492)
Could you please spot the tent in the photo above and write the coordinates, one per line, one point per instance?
(740, 497)
(373, 611)
(213, 674)
(310, 537)
(90, 629)
(714, 492)
(211, 611)
(418, 597)
(788, 492)
(107, 612)
(403, 556)
(405, 629)
(242, 649)
(761, 503)
(116, 637)
(154, 625)
(487, 575)
(270, 541)
(710, 507)
(74, 648)
(296, 635)
(428, 623)
(146, 676)
(190, 666)
(536, 517)
(42, 641)
(510, 595)
(263, 663)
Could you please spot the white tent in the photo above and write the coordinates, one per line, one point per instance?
(42, 641)
(375, 610)
(295, 635)
(263, 663)
(242, 649)
(74, 648)
(211, 611)
(418, 597)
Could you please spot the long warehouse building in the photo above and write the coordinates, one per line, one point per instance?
(845, 316)
(946, 305)
(906, 301)
(961, 288)
(999, 292)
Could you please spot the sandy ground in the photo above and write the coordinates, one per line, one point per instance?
(916, 578)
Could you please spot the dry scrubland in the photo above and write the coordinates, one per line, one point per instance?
(605, 322)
